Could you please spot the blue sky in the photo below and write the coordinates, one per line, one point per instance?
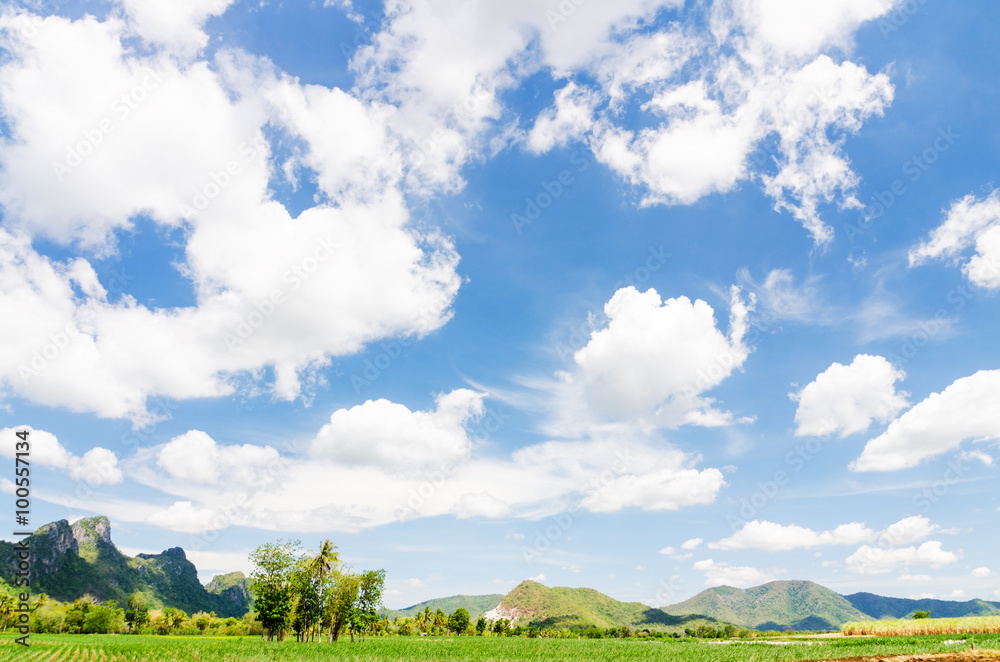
(643, 296)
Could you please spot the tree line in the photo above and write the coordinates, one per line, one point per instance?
(312, 594)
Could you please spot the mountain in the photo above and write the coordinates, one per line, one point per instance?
(232, 588)
(796, 605)
(476, 605)
(70, 561)
(531, 603)
(878, 606)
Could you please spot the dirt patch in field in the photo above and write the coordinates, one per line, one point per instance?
(963, 656)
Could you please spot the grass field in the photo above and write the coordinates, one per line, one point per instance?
(966, 625)
(121, 648)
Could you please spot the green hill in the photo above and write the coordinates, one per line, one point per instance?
(533, 604)
(68, 562)
(796, 605)
(232, 588)
(476, 605)
(878, 606)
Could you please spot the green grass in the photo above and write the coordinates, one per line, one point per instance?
(109, 648)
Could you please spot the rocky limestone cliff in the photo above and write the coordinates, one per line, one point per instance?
(50, 545)
(92, 530)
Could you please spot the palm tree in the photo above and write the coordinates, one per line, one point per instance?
(40, 602)
(320, 565)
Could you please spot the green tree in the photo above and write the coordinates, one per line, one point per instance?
(459, 620)
(104, 619)
(371, 585)
(271, 584)
(137, 614)
(341, 602)
(481, 626)
(320, 566)
(77, 614)
(501, 626)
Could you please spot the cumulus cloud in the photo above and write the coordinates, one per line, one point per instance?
(745, 82)
(969, 222)
(941, 422)
(774, 537)
(845, 400)
(105, 134)
(725, 574)
(870, 560)
(441, 474)
(981, 573)
(650, 365)
(186, 517)
(175, 25)
(383, 433)
(196, 457)
(693, 543)
(98, 466)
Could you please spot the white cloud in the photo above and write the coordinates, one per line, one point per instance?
(445, 66)
(970, 221)
(568, 120)
(537, 578)
(776, 537)
(98, 466)
(650, 365)
(383, 433)
(916, 579)
(44, 447)
(979, 456)
(173, 24)
(411, 583)
(194, 456)
(693, 543)
(294, 491)
(504, 582)
(186, 517)
(939, 423)
(957, 594)
(724, 574)
(514, 536)
(668, 551)
(907, 530)
(981, 573)
(100, 134)
(846, 399)
(790, 28)
(875, 560)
